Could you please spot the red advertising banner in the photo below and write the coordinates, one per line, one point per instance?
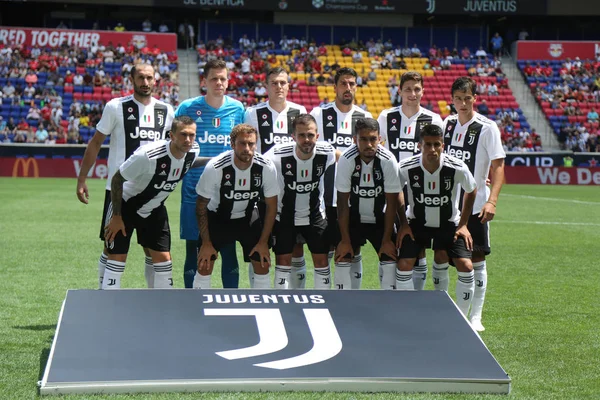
(49, 168)
(43, 37)
(548, 50)
(552, 175)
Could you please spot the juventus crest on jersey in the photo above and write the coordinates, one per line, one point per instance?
(132, 124)
(233, 192)
(152, 174)
(401, 134)
(273, 127)
(301, 182)
(477, 143)
(367, 183)
(433, 197)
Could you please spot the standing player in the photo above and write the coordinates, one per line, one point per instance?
(367, 193)
(476, 140)
(335, 124)
(434, 181)
(301, 169)
(131, 122)
(400, 131)
(228, 191)
(138, 193)
(215, 115)
(273, 121)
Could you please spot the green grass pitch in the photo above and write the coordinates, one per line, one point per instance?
(542, 313)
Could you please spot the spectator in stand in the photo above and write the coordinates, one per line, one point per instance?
(592, 116)
(483, 108)
(493, 89)
(415, 51)
(8, 91)
(260, 92)
(119, 27)
(481, 54)
(34, 112)
(357, 57)
(482, 87)
(446, 64)
(147, 25)
(497, 44)
(41, 135)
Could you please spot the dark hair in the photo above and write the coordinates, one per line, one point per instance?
(276, 71)
(366, 124)
(140, 65)
(179, 122)
(344, 71)
(411, 76)
(242, 129)
(464, 84)
(303, 119)
(214, 64)
(432, 131)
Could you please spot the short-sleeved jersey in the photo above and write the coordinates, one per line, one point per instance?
(273, 127)
(301, 182)
(400, 134)
(433, 197)
(131, 124)
(233, 192)
(367, 183)
(152, 174)
(477, 143)
(213, 127)
(336, 128)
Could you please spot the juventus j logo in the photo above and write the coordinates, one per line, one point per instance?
(273, 336)
(430, 6)
(467, 296)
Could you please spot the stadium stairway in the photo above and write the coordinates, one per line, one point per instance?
(526, 100)
(189, 84)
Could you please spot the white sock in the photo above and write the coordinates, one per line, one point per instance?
(262, 281)
(465, 285)
(251, 274)
(356, 271)
(330, 256)
(404, 280)
(282, 276)
(388, 277)
(342, 279)
(101, 268)
(322, 278)
(201, 281)
(112, 275)
(298, 275)
(149, 272)
(480, 273)
(420, 273)
(440, 276)
(163, 275)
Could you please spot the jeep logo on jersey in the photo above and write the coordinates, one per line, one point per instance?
(432, 200)
(464, 155)
(303, 187)
(279, 139)
(338, 139)
(404, 145)
(146, 134)
(211, 138)
(241, 195)
(367, 193)
(166, 186)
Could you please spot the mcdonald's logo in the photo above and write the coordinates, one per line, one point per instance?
(26, 163)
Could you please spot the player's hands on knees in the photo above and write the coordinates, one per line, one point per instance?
(389, 249)
(343, 249)
(82, 192)
(487, 213)
(463, 232)
(206, 258)
(404, 231)
(262, 248)
(115, 225)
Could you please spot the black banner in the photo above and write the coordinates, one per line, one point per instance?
(552, 159)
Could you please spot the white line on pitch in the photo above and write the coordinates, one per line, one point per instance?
(549, 198)
(545, 222)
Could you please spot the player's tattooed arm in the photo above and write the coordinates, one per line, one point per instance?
(207, 253)
(201, 162)
(116, 192)
(202, 218)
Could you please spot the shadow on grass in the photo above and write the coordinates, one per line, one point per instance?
(36, 327)
(44, 355)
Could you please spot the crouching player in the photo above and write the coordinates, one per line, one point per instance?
(434, 180)
(367, 191)
(228, 191)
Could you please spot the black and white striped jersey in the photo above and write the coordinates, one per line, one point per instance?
(152, 174)
(273, 127)
(477, 143)
(401, 134)
(132, 124)
(336, 127)
(367, 183)
(301, 182)
(433, 197)
(233, 192)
